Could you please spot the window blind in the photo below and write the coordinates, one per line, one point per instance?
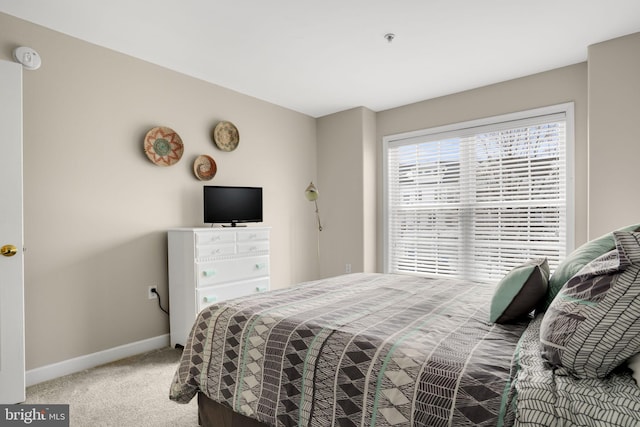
(476, 201)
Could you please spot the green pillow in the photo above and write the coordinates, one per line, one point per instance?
(578, 259)
(520, 291)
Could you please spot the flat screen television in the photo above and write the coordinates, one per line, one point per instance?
(232, 205)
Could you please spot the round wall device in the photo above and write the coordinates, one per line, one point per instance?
(28, 57)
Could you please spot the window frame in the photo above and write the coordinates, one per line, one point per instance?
(566, 108)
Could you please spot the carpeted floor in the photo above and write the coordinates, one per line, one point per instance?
(130, 392)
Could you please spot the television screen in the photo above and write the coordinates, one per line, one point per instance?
(232, 205)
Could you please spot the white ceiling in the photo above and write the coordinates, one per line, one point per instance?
(319, 57)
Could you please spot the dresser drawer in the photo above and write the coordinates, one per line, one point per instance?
(252, 235)
(203, 251)
(214, 237)
(221, 271)
(212, 295)
(251, 247)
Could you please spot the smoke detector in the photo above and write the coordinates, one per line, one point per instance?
(28, 57)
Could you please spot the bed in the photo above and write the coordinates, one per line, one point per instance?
(388, 350)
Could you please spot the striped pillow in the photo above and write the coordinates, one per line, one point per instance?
(593, 325)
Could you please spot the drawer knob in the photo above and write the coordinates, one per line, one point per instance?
(260, 266)
(261, 288)
(211, 298)
(208, 273)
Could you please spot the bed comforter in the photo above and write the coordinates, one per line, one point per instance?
(545, 398)
(356, 350)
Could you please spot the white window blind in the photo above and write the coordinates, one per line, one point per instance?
(476, 201)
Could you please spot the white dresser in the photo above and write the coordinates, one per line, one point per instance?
(209, 265)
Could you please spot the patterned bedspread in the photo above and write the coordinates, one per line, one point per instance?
(356, 350)
(551, 400)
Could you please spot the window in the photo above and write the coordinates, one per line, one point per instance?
(476, 199)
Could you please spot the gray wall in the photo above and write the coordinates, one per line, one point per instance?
(346, 181)
(97, 210)
(614, 141)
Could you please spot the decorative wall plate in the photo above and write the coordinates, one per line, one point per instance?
(226, 136)
(163, 146)
(204, 167)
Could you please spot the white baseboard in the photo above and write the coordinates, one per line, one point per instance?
(77, 364)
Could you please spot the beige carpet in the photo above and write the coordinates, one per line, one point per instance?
(130, 392)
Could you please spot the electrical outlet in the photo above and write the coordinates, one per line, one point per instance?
(151, 294)
(347, 268)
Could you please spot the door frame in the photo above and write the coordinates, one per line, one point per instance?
(12, 341)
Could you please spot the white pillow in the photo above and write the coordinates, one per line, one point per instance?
(634, 365)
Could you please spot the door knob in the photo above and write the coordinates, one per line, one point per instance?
(8, 250)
